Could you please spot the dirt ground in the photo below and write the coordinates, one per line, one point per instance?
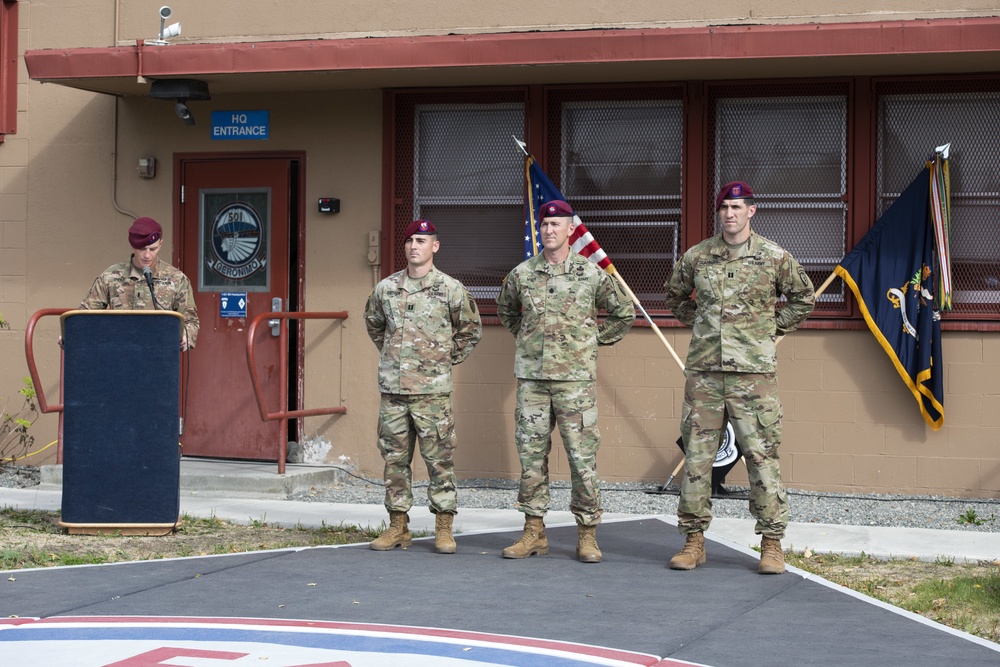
(889, 576)
(40, 541)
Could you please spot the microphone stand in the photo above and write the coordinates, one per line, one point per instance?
(149, 282)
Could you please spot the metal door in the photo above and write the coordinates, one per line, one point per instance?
(236, 217)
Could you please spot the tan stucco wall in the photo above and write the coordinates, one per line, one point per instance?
(13, 245)
(249, 20)
(850, 423)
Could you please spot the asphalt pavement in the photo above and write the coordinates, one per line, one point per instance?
(630, 609)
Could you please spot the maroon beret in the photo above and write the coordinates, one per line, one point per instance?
(734, 190)
(556, 208)
(144, 232)
(419, 227)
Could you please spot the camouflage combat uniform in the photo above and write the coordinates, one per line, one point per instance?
(731, 364)
(123, 287)
(552, 310)
(422, 328)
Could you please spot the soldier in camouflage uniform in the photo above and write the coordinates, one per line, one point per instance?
(124, 287)
(726, 288)
(423, 322)
(551, 304)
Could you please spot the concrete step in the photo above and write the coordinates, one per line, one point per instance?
(234, 479)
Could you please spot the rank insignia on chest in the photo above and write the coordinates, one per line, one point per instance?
(409, 306)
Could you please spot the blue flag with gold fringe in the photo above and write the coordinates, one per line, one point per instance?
(891, 272)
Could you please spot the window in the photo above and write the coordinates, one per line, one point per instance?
(457, 165)
(616, 156)
(792, 150)
(914, 118)
(8, 67)
(641, 164)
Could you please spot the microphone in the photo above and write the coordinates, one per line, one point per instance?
(149, 281)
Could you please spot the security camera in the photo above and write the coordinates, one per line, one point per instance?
(182, 111)
(166, 31)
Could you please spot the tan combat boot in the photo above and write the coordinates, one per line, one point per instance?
(587, 550)
(772, 558)
(692, 555)
(533, 541)
(444, 543)
(396, 535)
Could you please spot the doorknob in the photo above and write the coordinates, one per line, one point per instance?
(276, 323)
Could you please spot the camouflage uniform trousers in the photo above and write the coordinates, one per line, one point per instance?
(755, 413)
(541, 404)
(403, 421)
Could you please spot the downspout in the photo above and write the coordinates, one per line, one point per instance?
(114, 151)
(114, 167)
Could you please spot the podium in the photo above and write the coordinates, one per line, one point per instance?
(121, 421)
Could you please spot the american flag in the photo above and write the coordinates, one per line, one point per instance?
(541, 190)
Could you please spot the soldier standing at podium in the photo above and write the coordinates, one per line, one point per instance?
(146, 283)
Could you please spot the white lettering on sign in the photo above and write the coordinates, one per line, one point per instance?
(240, 131)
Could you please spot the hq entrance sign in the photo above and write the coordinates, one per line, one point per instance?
(229, 125)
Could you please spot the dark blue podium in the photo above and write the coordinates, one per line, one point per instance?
(121, 421)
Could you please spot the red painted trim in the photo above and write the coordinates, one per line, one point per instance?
(863, 128)
(694, 187)
(8, 67)
(976, 35)
(820, 322)
(386, 235)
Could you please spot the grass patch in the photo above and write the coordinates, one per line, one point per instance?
(962, 596)
(969, 603)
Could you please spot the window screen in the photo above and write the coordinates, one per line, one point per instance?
(458, 166)
(792, 150)
(616, 156)
(910, 126)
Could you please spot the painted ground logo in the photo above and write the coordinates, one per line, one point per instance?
(189, 642)
(237, 242)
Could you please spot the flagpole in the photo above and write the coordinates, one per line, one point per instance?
(680, 364)
(649, 319)
(826, 283)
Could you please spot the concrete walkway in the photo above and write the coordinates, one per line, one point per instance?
(881, 542)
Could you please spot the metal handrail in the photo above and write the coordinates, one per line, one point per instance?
(29, 354)
(283, 414)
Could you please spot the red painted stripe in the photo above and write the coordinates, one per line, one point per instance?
(612, 654)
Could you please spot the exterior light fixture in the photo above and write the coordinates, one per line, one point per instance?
(181, 90)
